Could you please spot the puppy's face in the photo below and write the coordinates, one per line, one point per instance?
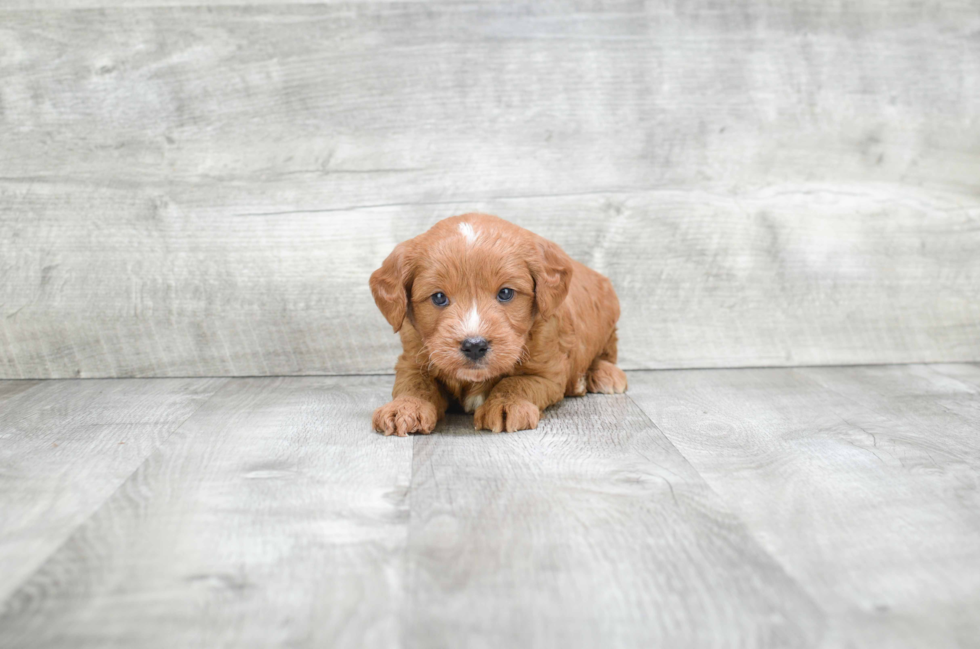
(472, 287)
(473, 304)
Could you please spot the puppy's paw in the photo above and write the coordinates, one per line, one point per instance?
(405, 415)
(606, 378)
(506, 414)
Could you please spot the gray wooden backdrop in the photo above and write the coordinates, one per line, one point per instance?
(203, 190)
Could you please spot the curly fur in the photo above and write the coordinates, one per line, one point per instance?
(555, 338)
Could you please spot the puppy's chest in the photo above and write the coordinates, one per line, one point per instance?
(470, 395)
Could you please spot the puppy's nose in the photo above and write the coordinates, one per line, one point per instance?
(474, 348)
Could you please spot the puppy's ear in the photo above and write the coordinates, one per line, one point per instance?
(390, 285)
(551, 269)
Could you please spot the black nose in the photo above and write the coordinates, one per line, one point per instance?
(474, 348)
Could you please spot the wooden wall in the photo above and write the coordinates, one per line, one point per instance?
(204, 190)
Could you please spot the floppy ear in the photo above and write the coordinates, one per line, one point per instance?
(551, 269)
(390, 284)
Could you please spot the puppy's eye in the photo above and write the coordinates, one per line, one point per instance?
(440, 299)
(505, 294)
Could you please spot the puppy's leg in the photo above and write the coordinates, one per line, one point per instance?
(611, 351)
(417, 404)
(516, 402)
(603, 375)
(606, 378)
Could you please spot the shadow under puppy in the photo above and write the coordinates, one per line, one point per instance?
(496, 318)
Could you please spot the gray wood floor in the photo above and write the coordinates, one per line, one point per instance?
(794, 507)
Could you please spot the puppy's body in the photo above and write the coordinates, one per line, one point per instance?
(538, 326)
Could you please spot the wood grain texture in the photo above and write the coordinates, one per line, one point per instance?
(830, 507)
(20, 5)
(66, 446)
(187, 190)
(272, 517)
(862, 482)
(793, 275)
(589, 531)
(10, 391)
(964, 372)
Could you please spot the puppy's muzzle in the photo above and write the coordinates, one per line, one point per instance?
(474, 348)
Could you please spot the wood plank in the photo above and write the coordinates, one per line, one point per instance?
(940, 402)
(273, 517)
(590, 531)
(60, 5)
(966, 373)
(859, 480)
(875, 12)
(705, 280)
(10, 392)
(184, 189)
(66, 446)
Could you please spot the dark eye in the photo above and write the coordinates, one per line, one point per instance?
(440, 299)
(505, 294)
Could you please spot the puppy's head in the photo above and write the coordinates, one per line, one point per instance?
(472, 287)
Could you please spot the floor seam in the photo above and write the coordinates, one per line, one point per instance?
(745, 526)
(408, 591)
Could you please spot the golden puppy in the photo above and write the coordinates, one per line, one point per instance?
(496, 318)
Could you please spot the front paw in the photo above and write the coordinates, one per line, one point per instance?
(405, 415)
(503, 414)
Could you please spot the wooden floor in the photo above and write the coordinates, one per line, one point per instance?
(794, 507)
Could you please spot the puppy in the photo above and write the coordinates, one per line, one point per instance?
(495, 318)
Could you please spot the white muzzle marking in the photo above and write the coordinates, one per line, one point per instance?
(471, 325)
